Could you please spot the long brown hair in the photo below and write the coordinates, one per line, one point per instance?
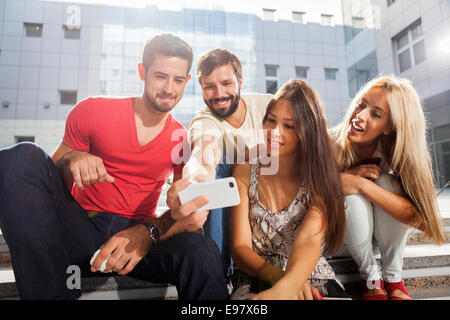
(316, 159)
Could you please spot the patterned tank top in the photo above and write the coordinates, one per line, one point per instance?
(273, 234)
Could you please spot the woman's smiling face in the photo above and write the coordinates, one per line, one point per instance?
(282, 136)
(371, 118)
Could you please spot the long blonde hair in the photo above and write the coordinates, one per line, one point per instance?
(405, 148)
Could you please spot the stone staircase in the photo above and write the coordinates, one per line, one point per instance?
(426, 271)
(426, 267)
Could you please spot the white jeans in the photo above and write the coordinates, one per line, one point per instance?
(366, 222)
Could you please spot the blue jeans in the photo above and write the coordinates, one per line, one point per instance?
(217, 226)
(47, 231)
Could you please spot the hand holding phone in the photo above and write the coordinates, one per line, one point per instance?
(221, 193)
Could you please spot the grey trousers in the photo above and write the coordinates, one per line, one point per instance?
(366, 224)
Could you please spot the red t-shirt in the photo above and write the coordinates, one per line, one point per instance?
(105, 127)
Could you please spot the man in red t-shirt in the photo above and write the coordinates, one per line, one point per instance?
(92, 204)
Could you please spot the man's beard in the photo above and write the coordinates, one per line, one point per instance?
(158, 107)
(224, 113)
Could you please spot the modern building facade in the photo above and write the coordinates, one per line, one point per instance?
(54, 53)
(46, 67)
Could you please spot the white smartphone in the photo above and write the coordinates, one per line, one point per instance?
(221, 193)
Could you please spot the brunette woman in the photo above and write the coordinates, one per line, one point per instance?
(286, 221)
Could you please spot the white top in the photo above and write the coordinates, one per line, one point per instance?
(384, 164)
(234, 140)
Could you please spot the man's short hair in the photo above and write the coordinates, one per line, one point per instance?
(216, 58)
(169, 45)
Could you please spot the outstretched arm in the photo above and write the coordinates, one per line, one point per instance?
(205, 155)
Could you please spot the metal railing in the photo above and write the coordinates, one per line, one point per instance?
(442, 189)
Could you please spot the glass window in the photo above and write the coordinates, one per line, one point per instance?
(327, 19)
(33, 30)
(358, 22)
(416, 32)
(419, 52)
(272, 79)
(67, 97)
(217, 22)
(71, 33)
(404, 60)
(402, 41)
(331, 73)
(271, 86)
(271, 71)
(269, 14)
(298, 17)
(389, 2)
(19, 139)
(301, 72)
(410, 46)
(442, 133)
(443, 162)
(201, 23)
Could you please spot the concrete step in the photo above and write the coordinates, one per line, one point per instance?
(424, 267)
(415, 257)
(426, 272)
(354, 289)
(416, 237)
(99, 288)
(439, 293)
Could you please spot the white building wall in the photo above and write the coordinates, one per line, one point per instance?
(431, 76)
(47, 133)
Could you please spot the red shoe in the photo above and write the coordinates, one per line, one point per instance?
(392, 286)
(373, 284)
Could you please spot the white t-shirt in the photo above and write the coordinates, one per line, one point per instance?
(234, 140)
(384, 164)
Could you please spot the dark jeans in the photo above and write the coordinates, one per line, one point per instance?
(217, 225)
(47, 231)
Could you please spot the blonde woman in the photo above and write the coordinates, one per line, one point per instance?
(387, 179)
